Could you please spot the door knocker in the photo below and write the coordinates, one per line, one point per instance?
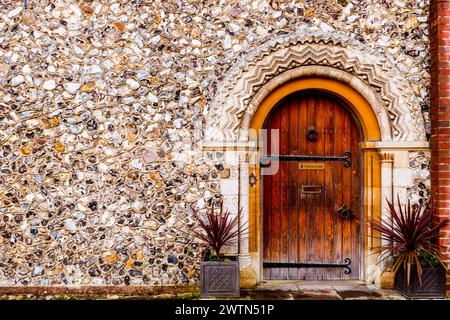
(345, 212)
(311, 134)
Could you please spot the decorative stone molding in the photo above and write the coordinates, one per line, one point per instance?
(396, 145)
(386, 157)
(336, 56)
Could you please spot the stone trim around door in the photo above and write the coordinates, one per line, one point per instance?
(333, 56)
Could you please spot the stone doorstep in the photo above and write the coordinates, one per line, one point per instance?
(315, 296)
(267, 295)
(281, 287)
(323, 286)
(339, 290)
(360, 288)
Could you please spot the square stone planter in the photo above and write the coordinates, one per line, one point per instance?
(219, 279)
(433, 283)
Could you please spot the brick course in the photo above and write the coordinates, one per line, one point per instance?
(440, 116)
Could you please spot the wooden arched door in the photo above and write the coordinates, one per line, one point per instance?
(313, 205)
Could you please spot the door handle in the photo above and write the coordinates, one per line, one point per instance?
(345, 212)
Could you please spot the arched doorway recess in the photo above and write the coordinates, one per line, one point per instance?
(375, 92)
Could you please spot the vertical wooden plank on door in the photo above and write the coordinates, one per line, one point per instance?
(338, 188)
(320, 180)
(302, 179)
(284, 167)
(293, 191)
(267, 209)
(329, 187)
(346, 184)
(276, 208)
(356, 200)
(310, 205)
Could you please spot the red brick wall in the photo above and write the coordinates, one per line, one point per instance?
(440, 118)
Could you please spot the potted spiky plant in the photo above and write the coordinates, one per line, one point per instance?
(409, 246)
(219, 273)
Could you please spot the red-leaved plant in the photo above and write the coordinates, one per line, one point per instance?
(218, 228)
(410, 234)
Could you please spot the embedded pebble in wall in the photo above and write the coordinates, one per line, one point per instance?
(70, 224)
(133, 84)
(149, 156)
(99, 105)
(88, 87)
(14, 12)
(227, 42)
(72, 87)
(17, 80)
(38, 270)
(49, 84)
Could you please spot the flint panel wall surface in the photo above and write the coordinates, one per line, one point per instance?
(101, 103)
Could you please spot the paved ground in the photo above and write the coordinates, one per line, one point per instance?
(273, 290)
(323, 290)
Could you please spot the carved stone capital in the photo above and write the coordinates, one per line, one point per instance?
(386, 157)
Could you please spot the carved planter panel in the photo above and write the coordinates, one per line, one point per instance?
(219, 279)
(433, 283)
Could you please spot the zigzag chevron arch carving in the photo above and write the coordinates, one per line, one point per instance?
(392, 97)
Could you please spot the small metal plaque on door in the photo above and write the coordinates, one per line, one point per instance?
(311, 166)
(305, 188)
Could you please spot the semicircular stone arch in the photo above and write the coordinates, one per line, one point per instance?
(299, 55)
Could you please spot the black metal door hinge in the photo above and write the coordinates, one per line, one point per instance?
(347, 158)
(345, 265)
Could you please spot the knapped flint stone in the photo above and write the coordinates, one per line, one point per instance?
(91, 125)
(172, 259)
(94, 272)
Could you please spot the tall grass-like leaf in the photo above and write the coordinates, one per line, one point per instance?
(410, 233)
(218, 228)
